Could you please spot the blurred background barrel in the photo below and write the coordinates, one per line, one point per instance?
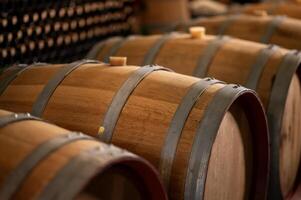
(154, 14)
(279, 30)
(40, 160)
(270, 70)
(203, 8)
(170, 119)
(289, 9)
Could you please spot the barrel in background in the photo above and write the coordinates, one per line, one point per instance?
(272, 8)
(279, 30)
(207, 8)
(270, 70)
(157, 14)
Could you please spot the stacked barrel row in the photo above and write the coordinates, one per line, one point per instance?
(58, 31)
(256, 66)
(207, 138)
(270, 70)
(170, 119)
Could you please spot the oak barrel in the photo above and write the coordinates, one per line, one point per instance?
(39, 160)
(279, 30)
(270, 70)
(197, 132)
(272, 8)
(157, 14)
(202, 8)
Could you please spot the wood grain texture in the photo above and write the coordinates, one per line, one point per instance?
(290, 139)
(250, 27)
(232, 63)
(82, 99)
(20, 139)
(235, 154)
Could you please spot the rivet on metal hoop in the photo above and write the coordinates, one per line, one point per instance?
(209, 79)
(236, 86)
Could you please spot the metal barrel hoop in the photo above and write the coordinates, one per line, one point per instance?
(258, 66)
(18, 175)
(210, 52)
(177, 125)
(43, 98)
(87, 163)
(278, 95)
(202, 145)
(17, 71)
(120, 98)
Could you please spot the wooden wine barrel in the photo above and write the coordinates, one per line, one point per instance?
(41, 161)
(279, 30)
(270, 70)
(157, 14)
(209, 140)
(202, 8)
(280, 8)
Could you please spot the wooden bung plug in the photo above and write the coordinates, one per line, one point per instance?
(118, 61)
(260, 13)
(101, 130)
(197, 32)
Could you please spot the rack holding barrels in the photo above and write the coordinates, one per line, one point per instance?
(58, 31)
